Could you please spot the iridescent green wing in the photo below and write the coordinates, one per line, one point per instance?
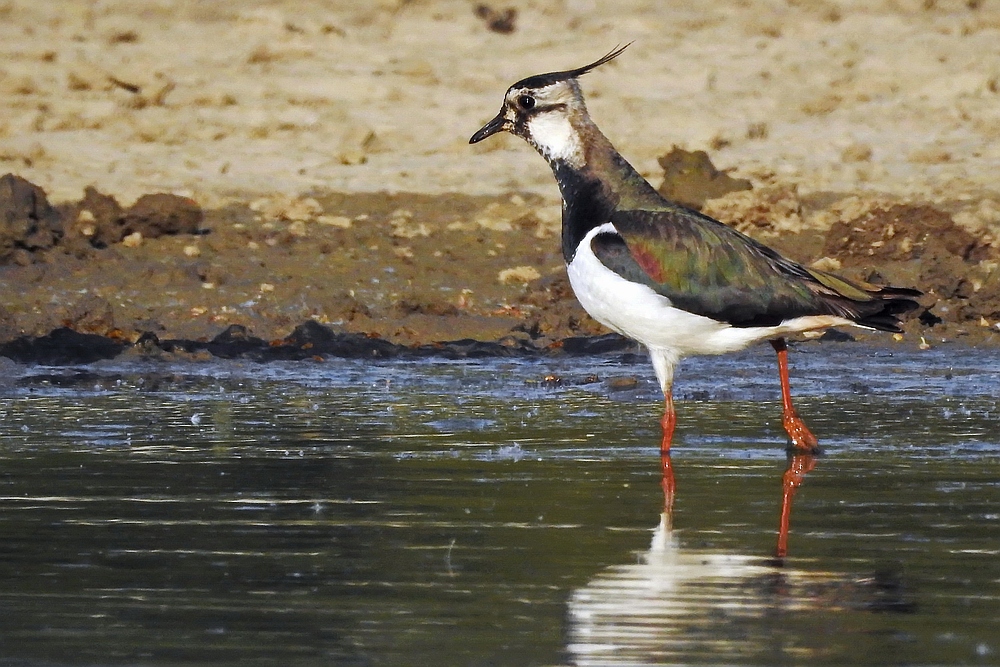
(709, 269)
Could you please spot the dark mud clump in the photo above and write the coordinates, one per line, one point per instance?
(31, 229)
(690, 178)
(387, 275)
(28, 223)
(921, 245)
(308, 341)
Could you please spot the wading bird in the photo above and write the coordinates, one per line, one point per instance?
(677, 281)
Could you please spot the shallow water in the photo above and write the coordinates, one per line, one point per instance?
(461, 513)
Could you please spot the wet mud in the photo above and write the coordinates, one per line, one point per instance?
(381, 275)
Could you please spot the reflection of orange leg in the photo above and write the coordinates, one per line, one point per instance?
(668, 422)
(798, 466)
(667, 483)
(802, 438)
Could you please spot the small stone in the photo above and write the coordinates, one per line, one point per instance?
(551, 380)
(405, 230)
(623, 383)
(133, 240)
(302, 210)
(192, 251)
(266, 287)
(339, 221)
(518, 274)
(283, 207)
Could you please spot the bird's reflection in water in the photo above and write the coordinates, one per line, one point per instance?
(799, 465)
(678, 605)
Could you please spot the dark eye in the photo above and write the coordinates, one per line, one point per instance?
(526, 102)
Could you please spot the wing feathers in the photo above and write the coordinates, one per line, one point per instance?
(710, 269)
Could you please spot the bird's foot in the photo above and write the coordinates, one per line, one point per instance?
(803, 441)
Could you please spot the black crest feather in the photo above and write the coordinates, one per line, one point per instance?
(542, 80)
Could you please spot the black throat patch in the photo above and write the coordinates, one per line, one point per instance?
(587, 203)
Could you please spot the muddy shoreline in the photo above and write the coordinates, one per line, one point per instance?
(389, 275)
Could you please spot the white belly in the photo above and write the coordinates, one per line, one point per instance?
(639, 313)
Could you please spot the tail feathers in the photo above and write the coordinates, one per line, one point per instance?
(885, 307)
(867, 304)
(902, 293)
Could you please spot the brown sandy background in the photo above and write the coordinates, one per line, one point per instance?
(326, 144)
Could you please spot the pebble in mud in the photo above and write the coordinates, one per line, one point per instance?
(623, 383)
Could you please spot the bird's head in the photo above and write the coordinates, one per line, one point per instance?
(548, 111)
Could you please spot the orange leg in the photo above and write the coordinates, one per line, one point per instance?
(799, 465)
(802, 438)
(668, 422)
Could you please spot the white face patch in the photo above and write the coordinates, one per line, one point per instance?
(556, 138)
(548, 120)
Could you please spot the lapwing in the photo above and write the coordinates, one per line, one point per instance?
(678, 282)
